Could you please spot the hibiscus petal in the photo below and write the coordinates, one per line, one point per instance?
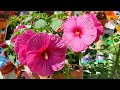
(30, 56)
(69, 27)
(22, 56)
(85, 22)
(19, 27)
(22, 40)
(67, 37)
(77, 44)
(89, 36)
(97, 38)
(40, 66)
(38, 42)
(57, 50)
(13, 39)
(97, 23)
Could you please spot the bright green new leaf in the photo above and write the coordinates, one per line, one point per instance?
(11, 57)
(56, 24)
(40, 23)
(18, 32)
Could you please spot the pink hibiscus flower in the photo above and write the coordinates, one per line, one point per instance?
(17, 29)
(45, 54)
(20, 45)
(79, 32)
(98, 25)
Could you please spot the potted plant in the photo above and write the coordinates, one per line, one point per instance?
(57, 42)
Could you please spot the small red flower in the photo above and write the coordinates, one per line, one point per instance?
(12, 13)
(1, 12)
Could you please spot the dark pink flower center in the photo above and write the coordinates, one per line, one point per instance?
(77, 32)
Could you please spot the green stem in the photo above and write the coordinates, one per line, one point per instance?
(116, 68)
(115, 62)
(117, 56)
(79, 57)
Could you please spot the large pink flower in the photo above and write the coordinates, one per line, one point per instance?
(45, 54)
(79, 32)
(98, 25)
(20, 45)
(17, 29)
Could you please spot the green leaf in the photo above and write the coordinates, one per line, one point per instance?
(56, 73)
(18, 32)
(28, 19)
(15, 61)
(40, 23)
(11, 57)
(66, 71)
(53, 19)
(79, 55)
(15, 34)
(53, 16)
(6, 49)
(56, 24)
(21, 31)
(70, 53)
(110, 42)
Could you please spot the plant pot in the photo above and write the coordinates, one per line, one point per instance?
(18, 70)
(59, 76)
(35, 76)
(7, 68)
(75, 74)
(10, 75)
(31, 75)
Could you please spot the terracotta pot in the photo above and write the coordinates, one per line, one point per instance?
(75, 74)
(10, 75)
(7, 68)
(18, 70)
(34, 76)
(59, 76)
